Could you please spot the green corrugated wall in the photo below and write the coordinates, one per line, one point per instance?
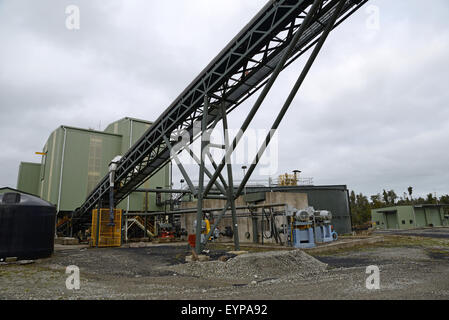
(28, 178)
(82, 157)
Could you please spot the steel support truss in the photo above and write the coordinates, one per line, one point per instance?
(220, 112)
(279, 34)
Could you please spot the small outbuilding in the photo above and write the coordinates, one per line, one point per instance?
(411, 217)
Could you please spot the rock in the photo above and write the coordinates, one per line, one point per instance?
(138, 245)
(25, 262)
(263, 264)
(200, 258)
(253, 282)
(238, 253)
(11, 259)
(223, 258)
(203, 258)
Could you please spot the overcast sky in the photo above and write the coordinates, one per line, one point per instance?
(372, 114)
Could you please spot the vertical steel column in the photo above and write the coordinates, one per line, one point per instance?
(231, 198)
(111, 206)
(204, 145)
(293, 93)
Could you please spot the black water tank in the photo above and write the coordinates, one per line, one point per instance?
(27, 226)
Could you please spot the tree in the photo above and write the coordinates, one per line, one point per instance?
(444, 199)
(376, 202)
(385, 196)
(392, 197)
(431, 199)
(410, 192)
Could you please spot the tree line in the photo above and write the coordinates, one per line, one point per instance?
(361, 205)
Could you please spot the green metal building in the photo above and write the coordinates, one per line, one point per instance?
(75, 160)
(411, 217)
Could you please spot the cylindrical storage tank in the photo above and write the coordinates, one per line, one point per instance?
(27, 226)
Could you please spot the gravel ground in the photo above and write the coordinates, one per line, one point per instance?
(409, 269)
(255, 267)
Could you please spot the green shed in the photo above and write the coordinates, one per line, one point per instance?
(411, 217)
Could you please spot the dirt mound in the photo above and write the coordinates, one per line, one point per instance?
(263, 265)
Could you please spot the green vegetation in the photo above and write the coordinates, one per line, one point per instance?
(361, 205)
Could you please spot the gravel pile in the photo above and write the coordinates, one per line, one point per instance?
(255, 266)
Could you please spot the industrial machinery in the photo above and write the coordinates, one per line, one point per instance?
(278, 35)
(205, 229)
(308, 226)
(301, 227)
(323, 227)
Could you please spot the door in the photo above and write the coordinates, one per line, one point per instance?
(392, 220)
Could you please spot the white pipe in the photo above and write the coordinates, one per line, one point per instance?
(60, 180)
(130, 145)
(62, 169)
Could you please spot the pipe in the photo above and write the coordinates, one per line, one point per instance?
(62, 169)
(112, 169)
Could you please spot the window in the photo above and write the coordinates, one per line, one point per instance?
(403, 221)
(411, 221)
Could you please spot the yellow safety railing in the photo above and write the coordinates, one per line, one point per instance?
(109, 236)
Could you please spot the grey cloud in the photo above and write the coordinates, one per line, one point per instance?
(372, 113)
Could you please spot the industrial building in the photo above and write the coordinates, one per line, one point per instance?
(332, 198)
(74, 160)
(256, 206)
(411, 217)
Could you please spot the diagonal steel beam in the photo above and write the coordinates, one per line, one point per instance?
(180, 166)
(206, 171)
(292, 94)
(316, 5)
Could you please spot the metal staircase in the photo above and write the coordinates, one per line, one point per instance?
(140, 222)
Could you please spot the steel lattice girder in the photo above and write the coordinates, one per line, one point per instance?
(234, 75)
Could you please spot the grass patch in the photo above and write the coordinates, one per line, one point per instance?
(390, 241)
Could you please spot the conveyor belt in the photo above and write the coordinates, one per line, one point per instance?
(238, 71)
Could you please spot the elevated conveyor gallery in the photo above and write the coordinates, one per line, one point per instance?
(239, 70)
